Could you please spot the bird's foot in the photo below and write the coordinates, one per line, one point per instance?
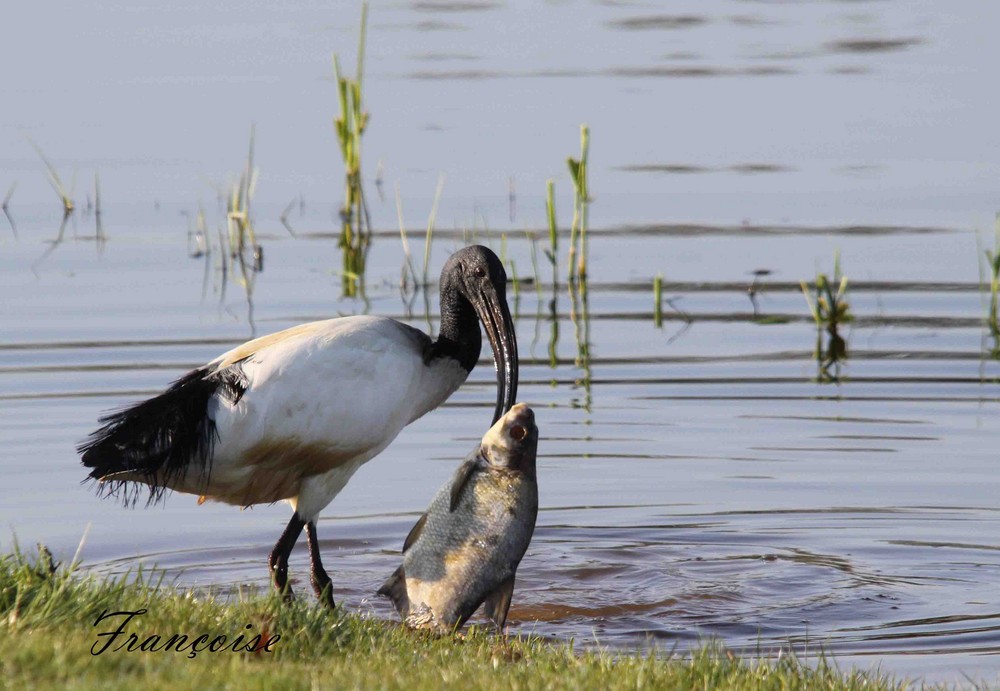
(325, 594)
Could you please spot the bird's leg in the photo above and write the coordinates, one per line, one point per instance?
(278, 561)
(321, 582)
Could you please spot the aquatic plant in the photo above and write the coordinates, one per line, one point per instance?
(242, 237)
(65, 195)
(993, 265)
(355, 233)
(829, 310)
(408, 281)
(550, 213)
(581, 203)
(431, 220)
(658, 301)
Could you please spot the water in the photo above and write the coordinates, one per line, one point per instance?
(696, 479)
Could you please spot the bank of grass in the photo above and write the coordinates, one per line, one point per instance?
(47, 635)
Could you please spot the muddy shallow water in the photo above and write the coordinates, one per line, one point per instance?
(699, 479)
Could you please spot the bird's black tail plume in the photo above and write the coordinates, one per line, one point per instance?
(159, 439)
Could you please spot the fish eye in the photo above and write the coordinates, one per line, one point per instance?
(518, 433)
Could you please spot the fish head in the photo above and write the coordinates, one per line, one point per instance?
(513, 441)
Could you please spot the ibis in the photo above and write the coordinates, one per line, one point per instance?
(292, 415)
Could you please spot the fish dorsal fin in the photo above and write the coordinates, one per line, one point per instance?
(414, 533)
(461, 479)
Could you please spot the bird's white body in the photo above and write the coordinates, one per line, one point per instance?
(321, 399)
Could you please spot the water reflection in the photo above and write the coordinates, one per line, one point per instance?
(830, 355)
(5, 206)
(580, 316)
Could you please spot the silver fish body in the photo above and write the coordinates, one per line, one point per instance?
(465, 550)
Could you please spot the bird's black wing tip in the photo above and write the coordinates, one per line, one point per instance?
(127, 492)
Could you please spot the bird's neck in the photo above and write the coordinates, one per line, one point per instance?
(459, 337)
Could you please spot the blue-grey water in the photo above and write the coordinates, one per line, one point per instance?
(703, 478)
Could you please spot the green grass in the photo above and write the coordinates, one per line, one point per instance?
(48, 633)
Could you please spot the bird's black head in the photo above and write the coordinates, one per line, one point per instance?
(474, 278)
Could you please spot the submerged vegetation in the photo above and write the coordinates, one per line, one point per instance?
(59, 628)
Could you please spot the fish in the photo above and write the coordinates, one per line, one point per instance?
(465, 549)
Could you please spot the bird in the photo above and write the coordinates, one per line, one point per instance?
(292, 415)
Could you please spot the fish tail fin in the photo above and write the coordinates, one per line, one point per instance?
(395, 589)
(498, 603)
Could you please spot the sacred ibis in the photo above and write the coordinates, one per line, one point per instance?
(292, 415)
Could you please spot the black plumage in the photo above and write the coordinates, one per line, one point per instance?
(157, 440)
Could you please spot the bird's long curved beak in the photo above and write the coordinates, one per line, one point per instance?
(495, 315)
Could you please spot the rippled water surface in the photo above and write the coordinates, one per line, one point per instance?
(701, 478)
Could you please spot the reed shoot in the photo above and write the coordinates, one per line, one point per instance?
(431, 220)
(238, 217)
(408, 275)
(581, 203)
(65, 196)
(355, 234)
(993, 263)
(828, 308)
(550, 209)
(658, 301)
